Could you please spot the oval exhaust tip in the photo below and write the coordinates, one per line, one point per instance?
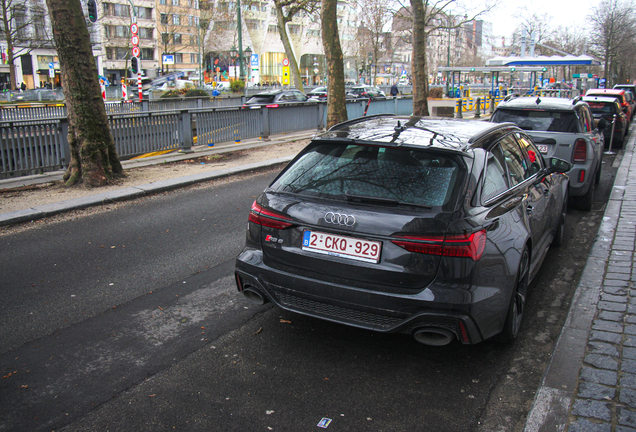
(433, 336)
(254, 296)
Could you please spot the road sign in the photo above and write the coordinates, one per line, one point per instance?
(51, 70)
(167, 59)
(136, 51)
(285, 62)
(254, 59)
(135, 40)
(134, 28)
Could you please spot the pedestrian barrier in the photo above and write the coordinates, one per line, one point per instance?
(32, 146)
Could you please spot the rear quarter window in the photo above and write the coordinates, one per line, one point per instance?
(410, 176)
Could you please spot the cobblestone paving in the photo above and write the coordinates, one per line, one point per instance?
(605, 400)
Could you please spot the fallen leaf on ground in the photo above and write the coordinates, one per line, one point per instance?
(285, 321)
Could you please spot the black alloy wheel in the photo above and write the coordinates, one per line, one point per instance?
(517, 301)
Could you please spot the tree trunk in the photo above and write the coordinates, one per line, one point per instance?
(284, 37)
(94, 159)
(418, 64)
(336, 106)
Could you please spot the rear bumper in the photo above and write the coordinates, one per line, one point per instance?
(468, 313)
(578, 187)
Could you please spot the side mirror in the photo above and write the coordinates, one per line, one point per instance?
(557, 165)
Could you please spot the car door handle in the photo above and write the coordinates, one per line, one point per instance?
(529, 209)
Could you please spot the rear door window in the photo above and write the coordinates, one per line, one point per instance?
(495, 178)
(397, 175)
(515, 161)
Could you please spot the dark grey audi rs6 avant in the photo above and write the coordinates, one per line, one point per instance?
(423, 226)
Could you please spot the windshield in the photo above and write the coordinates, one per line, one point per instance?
(551, 121)
(405, 176)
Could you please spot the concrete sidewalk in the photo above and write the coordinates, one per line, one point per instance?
(590, 383)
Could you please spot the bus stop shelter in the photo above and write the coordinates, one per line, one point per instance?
(494, 71)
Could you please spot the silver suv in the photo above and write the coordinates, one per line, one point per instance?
(562, 128)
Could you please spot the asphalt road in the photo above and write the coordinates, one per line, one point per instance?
(128, 320)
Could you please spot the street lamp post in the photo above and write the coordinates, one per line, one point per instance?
(233, 55)
(240, 39)
(248, 58)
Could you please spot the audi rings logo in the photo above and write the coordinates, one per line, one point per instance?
(340, 219)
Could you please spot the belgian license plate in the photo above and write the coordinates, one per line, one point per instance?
(542, 148)
(341, 246)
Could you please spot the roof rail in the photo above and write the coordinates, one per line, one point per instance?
(357, 120)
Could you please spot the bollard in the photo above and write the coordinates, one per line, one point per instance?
(477, 113)
(459, 109)
(492, 104)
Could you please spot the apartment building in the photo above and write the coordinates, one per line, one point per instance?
(33, 50)
(261, 34)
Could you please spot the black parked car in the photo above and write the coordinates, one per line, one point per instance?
(433, 228)
(274, 98)
(608, 109)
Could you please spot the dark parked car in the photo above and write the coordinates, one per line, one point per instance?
(619, 94)
(274, 98)
(608, 109)
(562, 128)
(631, 88)
(365, 92)
(319, 93)
(428, 227)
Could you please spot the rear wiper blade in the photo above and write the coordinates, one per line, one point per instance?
(379, 200)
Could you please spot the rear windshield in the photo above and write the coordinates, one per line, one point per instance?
(342, 171)
(261, 99)
(551, 121)
(602, 107)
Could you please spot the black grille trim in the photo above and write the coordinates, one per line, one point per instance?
(351, 315)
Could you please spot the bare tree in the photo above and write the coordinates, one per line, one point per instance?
(94, 159)
(613, 31)
(375, 17)
(24, 29)
(286, 10)
(429, 17)
(535, 24)
(336, 108)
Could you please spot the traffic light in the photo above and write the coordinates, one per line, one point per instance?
(92, 10)
(134, 65)
(512, 69)
(544, 69)
(472, 69)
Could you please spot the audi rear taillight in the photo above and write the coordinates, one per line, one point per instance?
(268, 218)
(580, 151)
(271, 106)
(462, 245)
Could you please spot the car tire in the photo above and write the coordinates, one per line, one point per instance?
(557, 241)
(517, 301)
(584, 202)
(597, 179)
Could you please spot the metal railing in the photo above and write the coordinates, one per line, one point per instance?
(31, 146)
